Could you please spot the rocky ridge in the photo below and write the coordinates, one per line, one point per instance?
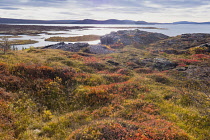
(76, 47)
(182, 44)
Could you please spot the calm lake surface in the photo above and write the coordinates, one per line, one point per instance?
(170, 30)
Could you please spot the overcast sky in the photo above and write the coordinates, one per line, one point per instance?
(147, 10)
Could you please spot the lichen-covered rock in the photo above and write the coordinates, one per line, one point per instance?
(204, 48)
(128, 37)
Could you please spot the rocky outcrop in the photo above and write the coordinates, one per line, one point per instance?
(160, 64)
(128, 37)
(163, 64)
(99, 49)
(67, 47)
(198, 72)
(183, 42)
(207, 46)
(113, 63)
(76, 47)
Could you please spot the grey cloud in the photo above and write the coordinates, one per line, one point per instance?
(89, 8)
(180, 3)
(68, 13)
(9, 8)
(34, 3)
(99, 3)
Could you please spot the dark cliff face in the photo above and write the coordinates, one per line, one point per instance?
(128, 37)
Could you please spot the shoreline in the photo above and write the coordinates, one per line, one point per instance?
(7, 29)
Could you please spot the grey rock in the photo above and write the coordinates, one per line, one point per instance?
(76, 47)
(160, 64)
(67, 47)
(113, 63)
(163, 64)
(98, 49)
(128, 37)
(183, 42)
(199, 72)
(37, 131)
(182, 68)
(206, 45)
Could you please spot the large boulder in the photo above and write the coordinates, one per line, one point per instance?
(128, 37)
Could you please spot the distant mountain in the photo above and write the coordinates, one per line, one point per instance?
(189, 22)
(109, 21)
(85, 21)
(204, 23)
(185, 22)
(25, 21)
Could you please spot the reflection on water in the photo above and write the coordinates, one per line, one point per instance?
(172, 30)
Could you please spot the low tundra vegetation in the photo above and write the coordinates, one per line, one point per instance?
(53, 94)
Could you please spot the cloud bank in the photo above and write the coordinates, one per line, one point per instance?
(148, 10)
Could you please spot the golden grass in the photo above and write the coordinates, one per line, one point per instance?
(74, 39)
(14, 36)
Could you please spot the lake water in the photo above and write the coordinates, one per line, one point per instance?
(170, 30)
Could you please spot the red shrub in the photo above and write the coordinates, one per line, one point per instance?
(189, 61)
(143, 70)
(123, 71)
(127, 130)
(6, 121)
(116, 78)
(90, 59)
(181, 65)
(37, 71)
(103, 94)
(201, 56)
(10, 82)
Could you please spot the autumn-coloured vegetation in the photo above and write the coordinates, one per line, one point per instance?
(22, 42)
(55, 94)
